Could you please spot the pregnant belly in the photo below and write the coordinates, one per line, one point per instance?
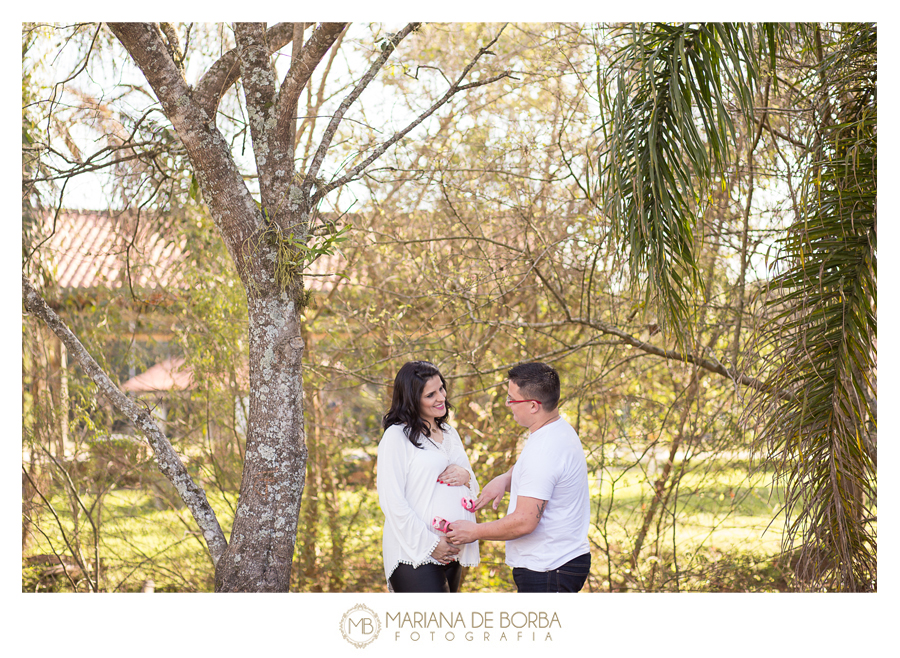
(447, 503)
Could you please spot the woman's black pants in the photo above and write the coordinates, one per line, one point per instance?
(427, 578)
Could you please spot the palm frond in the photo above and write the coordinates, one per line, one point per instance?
(826, 336)
(668, 134)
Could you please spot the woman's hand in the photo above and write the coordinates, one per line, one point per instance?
(455, 476)
(444, 552)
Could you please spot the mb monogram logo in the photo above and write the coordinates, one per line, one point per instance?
(360, 626)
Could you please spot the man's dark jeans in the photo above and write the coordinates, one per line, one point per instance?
(570, 577)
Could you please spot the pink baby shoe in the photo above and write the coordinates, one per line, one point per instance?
(439, 524)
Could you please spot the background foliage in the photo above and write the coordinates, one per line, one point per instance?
(498, 235)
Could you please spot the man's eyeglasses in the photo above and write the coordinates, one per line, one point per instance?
(509, 400)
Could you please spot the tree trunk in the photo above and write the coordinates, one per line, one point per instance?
(659, 487)
(259, 556)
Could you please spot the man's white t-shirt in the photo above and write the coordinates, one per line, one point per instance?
(552, 467)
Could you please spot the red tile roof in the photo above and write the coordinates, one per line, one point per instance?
(173, 374)
(169, 375)
(89, 249)
(94, 249)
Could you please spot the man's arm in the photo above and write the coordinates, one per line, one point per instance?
(521, 522)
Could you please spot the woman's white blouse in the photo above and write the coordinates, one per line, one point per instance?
(410, 497)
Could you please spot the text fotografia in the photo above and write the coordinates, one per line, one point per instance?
(479, 626)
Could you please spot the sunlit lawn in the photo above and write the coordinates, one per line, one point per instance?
(139, 540)
(724, 527)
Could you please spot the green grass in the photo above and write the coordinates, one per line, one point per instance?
(720, 541)
(140, 539)
(725, 521)
(729, 498)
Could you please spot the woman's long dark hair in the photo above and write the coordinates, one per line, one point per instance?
(408, 386)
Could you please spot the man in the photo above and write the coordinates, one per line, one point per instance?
(546, 526)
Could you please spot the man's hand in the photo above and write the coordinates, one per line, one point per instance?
(494, 491)
(521, 522)
(462, 532)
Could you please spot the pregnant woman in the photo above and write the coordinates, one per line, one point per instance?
(424, 477)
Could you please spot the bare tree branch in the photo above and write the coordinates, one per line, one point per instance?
(76, 554)
(387, 48)
(146, 46)
(166, 458)
(454, 89)
(87, 166)
(81, 67)
(297, 43)
(173, 46)
(712, 366)
(297, 77)
(260, 94)
(226, 71)
(764, 123)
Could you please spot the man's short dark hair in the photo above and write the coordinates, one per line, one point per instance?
(537, 381)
